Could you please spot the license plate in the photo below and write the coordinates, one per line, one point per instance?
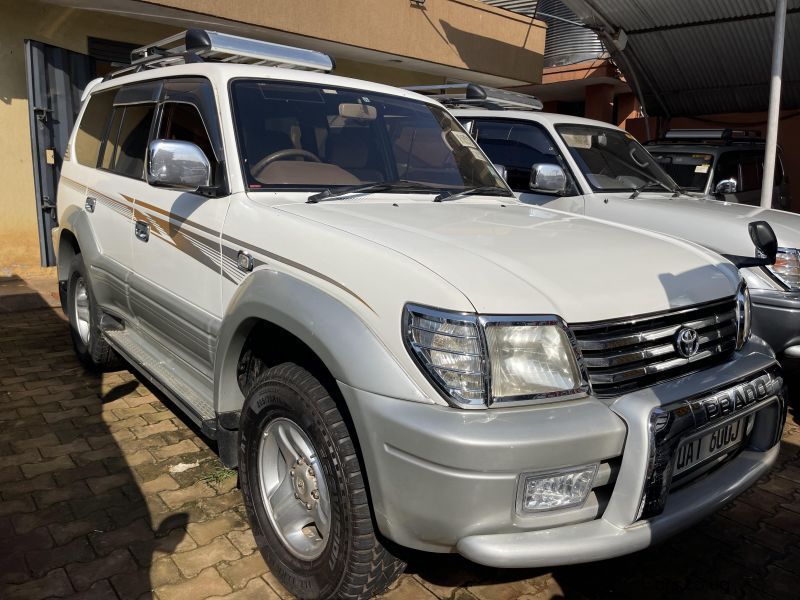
(700, 449)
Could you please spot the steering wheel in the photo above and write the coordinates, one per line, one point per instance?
(280, 155)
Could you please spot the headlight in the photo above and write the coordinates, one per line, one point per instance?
(480, 361)
(743, 318)
(787, 267)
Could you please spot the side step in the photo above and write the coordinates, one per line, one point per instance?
(176, 381)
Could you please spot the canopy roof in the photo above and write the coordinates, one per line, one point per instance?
(697, 57)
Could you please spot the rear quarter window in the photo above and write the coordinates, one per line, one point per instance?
(92, 127)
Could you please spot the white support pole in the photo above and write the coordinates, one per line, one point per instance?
(770, 152)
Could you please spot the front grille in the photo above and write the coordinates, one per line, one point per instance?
(624, 356)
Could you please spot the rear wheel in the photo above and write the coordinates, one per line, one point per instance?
(84, 322)
(305, 492)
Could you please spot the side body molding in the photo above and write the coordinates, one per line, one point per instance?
(337, 335)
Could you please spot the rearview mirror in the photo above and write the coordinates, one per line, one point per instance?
(177, 164)
(547, 178)
(726, 186)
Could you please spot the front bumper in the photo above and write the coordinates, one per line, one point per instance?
(445, 480)
(776, 319)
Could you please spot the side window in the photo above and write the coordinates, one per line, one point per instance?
(182, 121)
(126, 144)
(727, 167)
(516, 146)
(132, 140)
(92, 127)
(109, 150)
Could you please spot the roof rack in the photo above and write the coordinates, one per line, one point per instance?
(470, 95)
(726, 136)
(200, 45)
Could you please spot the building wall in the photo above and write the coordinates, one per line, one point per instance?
(67, 28)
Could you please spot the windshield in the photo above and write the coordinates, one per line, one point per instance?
(691, 171)
(307, 137)
(612, 160)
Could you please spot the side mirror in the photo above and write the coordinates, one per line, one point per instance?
(726, 186)
(766, 244)
(547, 178)
(764, 239)
(501, 170)
(176, 164)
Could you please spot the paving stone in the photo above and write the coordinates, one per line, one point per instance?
(54, 584)
(57, 464)
(48, 439)
(27, 486)
(100, 590)
(207, 531)
(106, 541)
(161, 483)
(97, 522)
(84, 575)
(29, 456)
(207, 583)
(150, 551)
(192, 562)
(99, 485)
(148, 430)
(243, 540)
(408, 589)
(256, 589)
(239, 572)
(42, 561)
(180, 497)
(181, 448)
(78, 445)
(73, 491)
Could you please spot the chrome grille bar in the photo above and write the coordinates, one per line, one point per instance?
(626, 355)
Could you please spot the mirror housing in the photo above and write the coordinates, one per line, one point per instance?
(726, 186)
(177, 164)
(548, 178)
(501, 170)
(766, 243)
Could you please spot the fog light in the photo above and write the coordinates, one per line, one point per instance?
(561, 489)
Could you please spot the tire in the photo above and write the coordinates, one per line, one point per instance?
(84, 322)
(349, 560)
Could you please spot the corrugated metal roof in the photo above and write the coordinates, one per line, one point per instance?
(566, 42)
(694, 57)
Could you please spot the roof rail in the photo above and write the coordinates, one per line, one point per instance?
(470, 95)
(200, 45)
(724, 135)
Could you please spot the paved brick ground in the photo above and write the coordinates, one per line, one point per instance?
(105, 493)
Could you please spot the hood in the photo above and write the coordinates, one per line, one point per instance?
(721, 226)
(518, 259)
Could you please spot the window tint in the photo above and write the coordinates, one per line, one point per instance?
(181, 121)
(92, 126)
(516, 146)
(132, 141)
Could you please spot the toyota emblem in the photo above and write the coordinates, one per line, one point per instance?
(687, 342)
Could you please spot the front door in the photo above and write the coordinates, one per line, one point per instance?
(176, 288)
(56, 80)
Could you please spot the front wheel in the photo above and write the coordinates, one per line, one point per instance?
(305, 493)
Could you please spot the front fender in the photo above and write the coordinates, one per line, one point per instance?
(341, 339)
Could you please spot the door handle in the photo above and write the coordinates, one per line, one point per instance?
(142, 231)
(90, 204)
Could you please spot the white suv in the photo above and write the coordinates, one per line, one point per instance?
(331, 279)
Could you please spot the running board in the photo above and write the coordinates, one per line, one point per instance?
(168, 376)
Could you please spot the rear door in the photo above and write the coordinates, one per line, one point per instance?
(176, 287)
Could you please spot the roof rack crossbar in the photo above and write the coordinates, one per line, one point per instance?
(470, 95)
(196, 45)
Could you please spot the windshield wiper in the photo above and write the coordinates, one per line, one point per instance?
(485, 190)
(652, 182)
(383, 186)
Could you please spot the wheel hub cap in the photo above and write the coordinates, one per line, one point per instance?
(293, 489)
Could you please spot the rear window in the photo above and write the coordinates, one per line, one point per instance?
(92, 127)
